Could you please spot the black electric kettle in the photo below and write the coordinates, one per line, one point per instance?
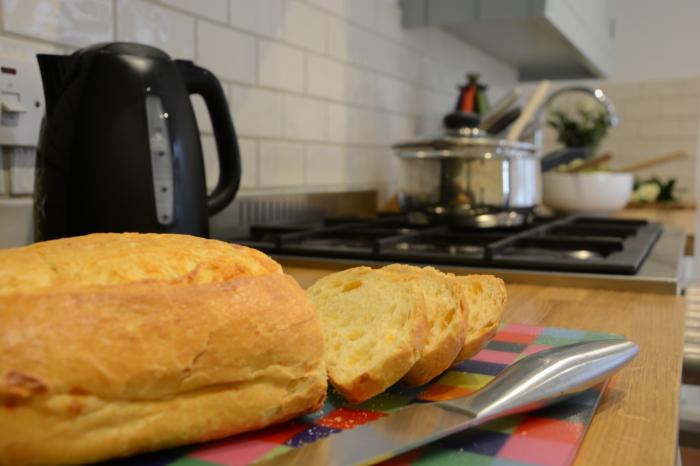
(119, 148)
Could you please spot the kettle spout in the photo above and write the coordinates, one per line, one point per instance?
(53, 70)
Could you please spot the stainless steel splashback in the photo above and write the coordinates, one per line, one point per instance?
(289, 208)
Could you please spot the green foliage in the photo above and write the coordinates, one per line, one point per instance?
(667, 190)
(586, 128)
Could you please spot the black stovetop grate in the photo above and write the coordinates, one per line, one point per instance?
(575, 243)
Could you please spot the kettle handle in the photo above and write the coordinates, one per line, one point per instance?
(201, 81)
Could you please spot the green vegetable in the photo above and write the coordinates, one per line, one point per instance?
(655, 190)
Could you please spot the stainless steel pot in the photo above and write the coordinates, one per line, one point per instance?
(468, 177)
(479, 180)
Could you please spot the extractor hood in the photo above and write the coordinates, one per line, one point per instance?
(543, 39)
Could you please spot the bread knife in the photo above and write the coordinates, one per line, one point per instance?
(533, 382)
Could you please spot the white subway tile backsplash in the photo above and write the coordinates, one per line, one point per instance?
(146, 23)
(305, 26)
(324, 77)
(359, 86)
(212, 9)
(257, 112)
(281, 164)
(3, 173)
(361, 12)
(337, 7)
(362, 166)
(280, 66)
(318, 88)
(249, 162)
(69, 22)
(202, 114)
(338, 120)
(325, 165)
(21, 169)
(392, 94)
(388, 19)
(265, 17)
(304, 118)
(249, 159)
(211, 161)
(401, 128)
(338, 40)
(355, 125)
(679, 106)
(228, 54)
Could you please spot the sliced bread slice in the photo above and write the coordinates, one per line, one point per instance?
(486, 297)
(374, 328)
(447, 314)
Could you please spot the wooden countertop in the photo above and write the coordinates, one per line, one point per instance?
(637, 421)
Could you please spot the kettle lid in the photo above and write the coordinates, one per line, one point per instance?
(124, 48)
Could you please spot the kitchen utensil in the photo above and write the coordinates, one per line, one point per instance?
(530, 109)
(531, 383)
(562, 156)
(499, 108)
(652, 162)
(591, 163)
(120, 149)
(587, 192)
(504, 121)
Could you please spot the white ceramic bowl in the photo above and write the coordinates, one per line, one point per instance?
(587, 192)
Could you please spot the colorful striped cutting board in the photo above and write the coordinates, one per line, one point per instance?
(548, 437)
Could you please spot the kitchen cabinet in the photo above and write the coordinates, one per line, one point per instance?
(637, 420)
(553, 39)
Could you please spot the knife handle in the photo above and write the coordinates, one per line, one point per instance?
(546, 377)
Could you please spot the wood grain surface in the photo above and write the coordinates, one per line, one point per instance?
(637, 421)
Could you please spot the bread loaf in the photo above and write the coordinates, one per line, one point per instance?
(374, 326)
(486, 297)
(112, 344)
(446, 313)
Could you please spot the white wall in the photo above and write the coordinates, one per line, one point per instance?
(319, 89)
(656, 39)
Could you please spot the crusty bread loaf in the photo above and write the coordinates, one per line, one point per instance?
(486, 297)
(447, 314)
(374, 327)
(112, 259)
(116, 344)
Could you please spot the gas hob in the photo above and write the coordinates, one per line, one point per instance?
(569, 244)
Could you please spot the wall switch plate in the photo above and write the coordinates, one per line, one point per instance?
(21, 101)
(22, 161)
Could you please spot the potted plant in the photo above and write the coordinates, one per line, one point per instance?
(585, 126)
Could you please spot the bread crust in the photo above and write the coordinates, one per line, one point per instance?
(442, 347)
(118, 258)
(476, 338)
(94, 371)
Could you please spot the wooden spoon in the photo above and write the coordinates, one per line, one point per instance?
(592, 163)
(675, 155)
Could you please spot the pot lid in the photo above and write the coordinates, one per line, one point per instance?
(461, 143)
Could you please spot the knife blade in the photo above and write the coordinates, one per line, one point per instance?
(533, 382)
